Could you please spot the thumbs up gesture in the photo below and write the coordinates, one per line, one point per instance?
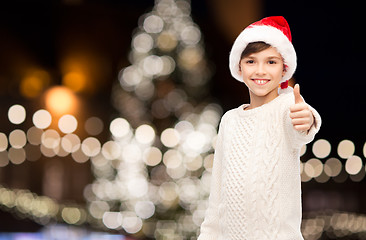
(302, 117)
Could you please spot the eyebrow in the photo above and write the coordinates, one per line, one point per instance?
(270, 57)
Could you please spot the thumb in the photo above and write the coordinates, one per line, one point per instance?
(298, 98)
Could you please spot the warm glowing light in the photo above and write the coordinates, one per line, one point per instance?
(16, 114)
(34, 83)
(60, 100)
(76, 81)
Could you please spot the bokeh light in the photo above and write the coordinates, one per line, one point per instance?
(50, 139)
(94, 126)
(74, 80)
(353, 165)
(119, 127)
(153, 24)
(303, 150)
(313, 167)
(16, 114)
(16, 155)
(42, 119)
(60, 100)
(346, 148)
(70, 143)
(17, 138)
(170, 137)
(112, 220)
(4, 160)
(321, 148)
(111, 150)
(142, 43)
(71, 215)
(332, 167)
(34, 135)
(145, 134)
(91, 146)
(131, 223)
(152, 156)
(33, 84)
(67, 123)
(145, 209)
(3, 142)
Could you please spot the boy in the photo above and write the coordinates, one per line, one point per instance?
(256, 185)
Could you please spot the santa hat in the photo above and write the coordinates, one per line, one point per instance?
(274, 31)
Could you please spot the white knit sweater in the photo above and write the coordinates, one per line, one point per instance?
(256, 186)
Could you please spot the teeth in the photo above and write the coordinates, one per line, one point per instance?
(261, 81)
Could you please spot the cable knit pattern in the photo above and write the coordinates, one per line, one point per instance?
(256, 186)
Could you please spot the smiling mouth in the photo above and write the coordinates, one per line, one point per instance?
(260, 81)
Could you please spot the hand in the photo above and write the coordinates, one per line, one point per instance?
(302, 117)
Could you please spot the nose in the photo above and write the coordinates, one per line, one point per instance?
(260, 69)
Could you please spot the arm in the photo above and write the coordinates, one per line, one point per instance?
(210, 227)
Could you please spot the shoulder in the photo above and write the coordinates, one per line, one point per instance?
(230, 114)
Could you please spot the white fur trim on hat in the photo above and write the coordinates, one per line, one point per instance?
(269, 35)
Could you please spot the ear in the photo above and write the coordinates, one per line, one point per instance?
(240, 67)
(284, 70)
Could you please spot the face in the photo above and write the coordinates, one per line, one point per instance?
(262, 73)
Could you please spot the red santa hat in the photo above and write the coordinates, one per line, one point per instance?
(274, 31)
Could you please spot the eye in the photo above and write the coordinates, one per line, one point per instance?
(272, 62)
(250, 61)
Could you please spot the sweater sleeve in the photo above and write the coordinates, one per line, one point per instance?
(300, 138)
(210, 227)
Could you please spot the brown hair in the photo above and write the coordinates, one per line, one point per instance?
(254, 47)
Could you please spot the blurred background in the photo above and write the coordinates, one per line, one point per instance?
(109, 113)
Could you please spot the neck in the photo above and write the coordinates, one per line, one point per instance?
(257, 101)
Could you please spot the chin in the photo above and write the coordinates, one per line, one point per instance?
(260, 92)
